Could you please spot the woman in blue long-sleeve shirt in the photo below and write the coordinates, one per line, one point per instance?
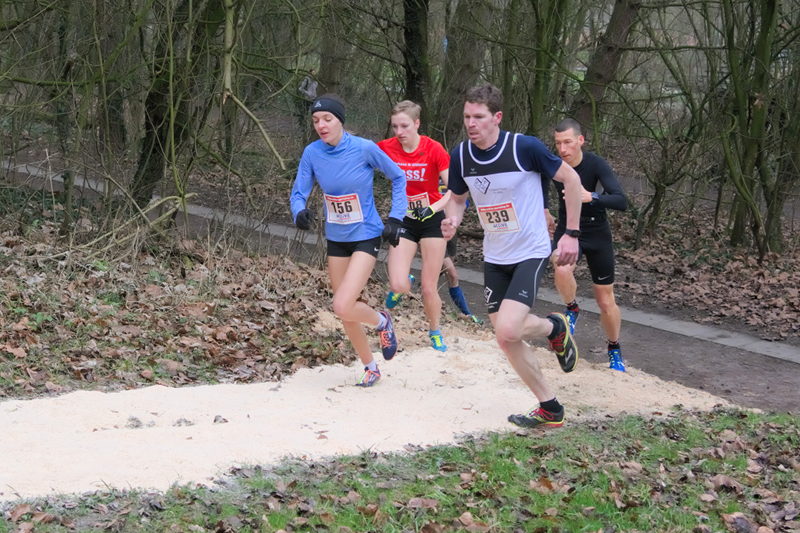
(343, 165)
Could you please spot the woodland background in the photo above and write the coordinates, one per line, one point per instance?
(164, 103)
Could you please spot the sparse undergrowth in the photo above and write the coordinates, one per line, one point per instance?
(726, 470)
(175, 315)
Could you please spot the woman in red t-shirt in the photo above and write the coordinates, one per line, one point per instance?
(424, 162)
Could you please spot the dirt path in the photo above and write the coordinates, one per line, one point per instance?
(157, 436)
(742, 377)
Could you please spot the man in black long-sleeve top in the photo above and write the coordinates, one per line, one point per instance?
(594, 236)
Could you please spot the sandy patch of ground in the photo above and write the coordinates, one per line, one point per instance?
(158, 436)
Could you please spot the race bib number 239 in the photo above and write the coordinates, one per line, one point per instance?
(501, 218)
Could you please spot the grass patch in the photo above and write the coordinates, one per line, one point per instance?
(713, 471)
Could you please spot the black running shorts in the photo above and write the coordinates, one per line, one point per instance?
(518, 282)
(346, 249)
(428, 229)
(596, 244)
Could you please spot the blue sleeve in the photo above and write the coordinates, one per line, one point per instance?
(455, 178)
(378, 160)
(534, 155)
(303, 184)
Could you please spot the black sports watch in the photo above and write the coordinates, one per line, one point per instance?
(573, 232)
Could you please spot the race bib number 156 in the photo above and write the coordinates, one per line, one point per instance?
(345, 209)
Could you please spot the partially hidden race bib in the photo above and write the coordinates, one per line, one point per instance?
(418, 200)
(344, 209)
(499, 218)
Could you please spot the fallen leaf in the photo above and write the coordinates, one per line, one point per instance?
(422, 503)
(19, 511)
(466, 518)
(739, 523)
(369, 510)
(43, 518)
(16, 351)
(721, 481)
(754, 467)
(631, 468)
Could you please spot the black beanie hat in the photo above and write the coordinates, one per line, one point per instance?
(335, 107)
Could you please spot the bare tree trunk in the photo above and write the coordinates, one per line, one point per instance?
(463, 61)
(112, 134)
(548, 32)
(746, 139)
(415, 53)
(602, 68)
(168, 105)
(63, 119)
(334, 48)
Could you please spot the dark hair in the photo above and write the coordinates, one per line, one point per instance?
(486, 94)
(569, 123)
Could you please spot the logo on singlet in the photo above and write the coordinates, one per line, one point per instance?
(482, 184)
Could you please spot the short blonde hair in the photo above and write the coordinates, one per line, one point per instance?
(409, 108)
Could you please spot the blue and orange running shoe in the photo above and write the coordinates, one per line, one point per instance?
(615, 361)
(572, 316)
(538, 417)
(369, 378)
(437, 342)
(387, 337)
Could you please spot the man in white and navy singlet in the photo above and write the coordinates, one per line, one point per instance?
(503, 173)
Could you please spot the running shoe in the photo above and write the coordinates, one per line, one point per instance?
(438, 342)
(387, 337)
(475, 319)
(572, 316)
(615, 361)
(369, 378)
(393, 299)
(564, 345)
(538, 417)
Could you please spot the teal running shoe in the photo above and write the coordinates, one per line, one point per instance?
(437, 342)
(393, 299)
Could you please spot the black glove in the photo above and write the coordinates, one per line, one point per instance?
(422, 213)
(304, 219)
(392, 229)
